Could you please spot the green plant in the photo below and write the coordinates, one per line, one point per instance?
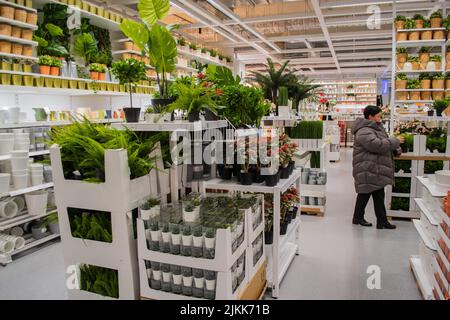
(425, 76)
(93, 225)
(436, 58)
(307, 130)
(49, 38)
(96, 67)
(197, 231)
(425, 50)
(186, 230)
(228, 59)
(400, 203)
(401, 76)
(413, 84)
(56, 63)
(181, 41)
(204, 50)
(446, 23)
(431, 166)
(315, 159)
(129, 72)
(101, 58)
(402, 185)
(45, 60)
(400, 18)
(85, 47)
(410, 24)
(193, 46)
(221, 76)
(400, 50)
(426, 23)
(438, 76)
(404, 165)
(50, 219)
(436, 14)
(418, 17)
(175, 228)
(189, 207)
(150, 203)
(440, 105)
(413, 59)
(447, 76)
(283, 96)
(210, 233)
(99, 280)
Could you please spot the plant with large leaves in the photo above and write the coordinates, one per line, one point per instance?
(300, 88)
(49, 37)
(272, 79)
(85, 46)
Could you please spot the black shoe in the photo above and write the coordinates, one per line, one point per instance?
(386, 225)
(362, 222)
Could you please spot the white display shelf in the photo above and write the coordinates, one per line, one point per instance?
(287, 254)
(401, 195)
(356, 101)
(421, 30)
(403, 175)
(18, 23)
(435, 190)
(403, 214)
(173, 126)
(278, 118)
(30, 243)
(119, 52)
(15, 5)
(421, 43)
(31, 154)
(291, 230)
(50, 124)
(419, 117)
(431, 216)
(19, 192)
(18, 40)
(190, 69)
(419, 71)
(413, 101)
(16, 56)
(21, 219)
(426, 288)
(62, 92)
(413, 90)
(423, 234)
(444, 236)
(201, 58)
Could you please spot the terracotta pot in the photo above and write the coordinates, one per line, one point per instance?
(437, 95)
(16, 32)
(20, 15)
(400, 84)
(447, 94)
(425, 84)
(426, 35)
(5, 30)
(438, 35)
(414, 36)
(126, 56)
(414, 95)
(419, 24)
(402, 57)
(32, 18)
(401, 95)
(101, 76)
(128, 45)
(447, 83)
(94, 75)
(44, 70)
(424, 57)
(402, 36)
(436, 22)
(423, 65)
(27, 34)
(425, 95)
(17, 48)
(437, 65)
(54, 71)
(7, 12)
(5, 46)
(415, 65)
(400, 65)
(437, 84)
(399, 25)
(447, 57)
(27, 51)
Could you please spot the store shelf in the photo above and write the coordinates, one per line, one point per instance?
(6, 258)
(422, 279)
(312, 208)
(62, 92)
(431, 216)
(420, 43)
(19, 192)
(419, 117)
(418, 71)
(437, 288)
(434, 189)
(403, 175)
(18, 23)
(421, 30)
(416, 90)
(292, 228)
(425, 238)
(18, 40)
(190, 69)
(200, 58)
(31, 154)
(15, 5)
(21, 219)
(401, 195)
(173, 126)
(414, 101)
(286, 256)
(17, 56)
(119, 52)
(403, 214)
(440, 273)
(50, 124)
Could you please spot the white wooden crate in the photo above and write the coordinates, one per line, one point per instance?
(251, 266)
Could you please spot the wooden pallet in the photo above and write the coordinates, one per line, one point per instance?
(312, 212)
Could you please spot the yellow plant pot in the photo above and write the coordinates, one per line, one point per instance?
(425, 84)
(110, 86)
(17, 80)
(437, 84)
(116, 87)
(71, 2)
(64, 1)
(447, 94)
(86, 6)
(48, 82)
(29, 3)
(39, 82)
(402, 36)
(414, 95)
(415, 65)
(5, 65)
(79, 4)
(81, 85)
(399, 25)
(57, 83)
(93, 9)
(27, 68)
(414, 36)
(100, 12)
(103, 87)
(73, 84)
(6, 79)
(112, 16)
(438, 35)
(17, 67)
(106, 14)
(401, 95)
(400, 84)
(64, 83)
(122, 88)
(20, 2)
(28, 81)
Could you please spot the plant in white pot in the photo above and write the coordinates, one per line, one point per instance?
(150, 208)
(51, 222)
(210, 243)
(151, 116)
(210, 280)
(155, 281)
(155, 235)
(176, 279)
(197, 241)
(175, 247)
(165, 237)
(189, 214)
(166, 277)
(148, 270)
(199, 283)
(187, 281)
(186, 239)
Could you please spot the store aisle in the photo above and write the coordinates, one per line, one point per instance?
(336, 254)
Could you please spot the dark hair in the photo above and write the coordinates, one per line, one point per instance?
(371, 111)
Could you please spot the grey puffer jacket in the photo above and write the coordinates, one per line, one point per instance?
(373, 164)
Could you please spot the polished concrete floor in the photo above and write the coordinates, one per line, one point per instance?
(333, 263)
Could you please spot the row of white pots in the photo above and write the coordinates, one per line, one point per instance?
(8, 243)
(179, 279)
(178, 239)
(11, 115)
(36, 203)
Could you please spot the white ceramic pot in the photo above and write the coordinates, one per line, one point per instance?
(22, 145)
(408, 66)
(36, 167)
(20, 181)
(176, 239)
(210, 243)
(8, 209)
(154, 117)
(36, 202)
(148, 235)
(13, 115)
(149, 273)
(166, 236)
(16, 231)
(6, 146)
(155, 211)
(198, 241)
(145, 214)
(177, 279)
(6, 246)
(431, 66)
(155, 235)
(166, 276)
(19, 163)
(187, 240)
(156, 275)
(188, 216)
(18, 242)
(211, 285)
(187, 281)
(5, 179)
(3, 116)
(199, 282)
(37, 179)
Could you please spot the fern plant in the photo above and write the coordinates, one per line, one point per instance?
(85, 46)
(102, 281)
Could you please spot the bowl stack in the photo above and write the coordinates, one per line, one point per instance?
(19, 166)
(36, 171)
(22, 141)
(6, 143)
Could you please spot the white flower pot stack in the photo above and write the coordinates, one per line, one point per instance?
(13, 115)
(5, 179)
(36, 202)
(22, 141)
(8, 209)
(19, 242)
(6, 143)
(37, 174)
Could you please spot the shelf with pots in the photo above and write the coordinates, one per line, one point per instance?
(27, 7)
(16, 40)
(419, 30)
(23, 217)
(4, 22)
(202, 54)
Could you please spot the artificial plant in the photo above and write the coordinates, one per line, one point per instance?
(129, 72)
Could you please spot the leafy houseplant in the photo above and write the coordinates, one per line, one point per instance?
(150, 209)
(418, 18)
(186, 240)
(102, 281)
(436, 19)
(440, 106)
(45, 62)
(400, 22)
(95, 69)
(283, 96)
(401, 81)
(50, 40)
(438, 81)
(85, 47)
(210, 242)
(129, 72)
(175, 247)
(197, 237)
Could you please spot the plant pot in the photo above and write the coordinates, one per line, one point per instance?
(284, 172)
(85, 6)
(401, 95)
(447, 94)
(430, 113)
(413, 36)
(28, 81)
(414, 95)
(132, 114)
(268, 237)
(101, 76)
(257, 177)
(38, 232)
(54, 228)
(36, 202)
(5, 46)
(419, 24)
(82, 85)
(45, 70)
(400, 84)
(436, 22)
(194, 116)
(186, 247)
(40, 82)
(54, 71)
(5, 65)
(73, 84)
(402, 36)
(197, 248)
(175, 246)
(94, 75)
(399, 25)
(7, 12)
(437, 84)
(426, 35)
(402, 57)
(246, 178)
(210, 116)
(17, 48)
(56, 83)
(424, 57)
(5, 30)
(20, 15)
(437, 95)
(226, 173)
(92, 9)
(165, 247)
(100, 11)
(8, 208)
(438, 35)
(447, 83)
(64, 83)
(271, 180)
(17, 80)
(425, 84)
(425, 95)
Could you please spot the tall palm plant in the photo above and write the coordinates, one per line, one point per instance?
(300, 88)
(271, 79)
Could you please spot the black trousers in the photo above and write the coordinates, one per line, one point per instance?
(378, 203)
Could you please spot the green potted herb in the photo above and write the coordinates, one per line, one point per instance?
(155, 235)
(426, 34)
(130, 72)
(189, 214)
(210, 243)
(175, 247)
(193, 48)
(402, 55)
(400, 22)
(210, 280)
(51, 222)
(199, 282)
(400, 81)
(438, 81)
(150, 208)
(186, 240)
(424, 55)
(166, 237)
(425, 84)
(440, 106)
(155, 281)
(436, 19)
(45, 62)
(435, 64)
(418, 19)
(187, 280)
(412, 85)
(414, 61)
(197, 238)
(166, 277)
(177, 279)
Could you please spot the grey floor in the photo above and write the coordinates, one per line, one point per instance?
(335, 256)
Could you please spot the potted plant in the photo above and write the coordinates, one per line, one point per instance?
(402, 55)
(95, 69)
(438, 81)
(399, 22)
(51, 222)
(156, 275)
(175, 247)
(165, 236)
(187, 281)
(204, 51)
(412, 35)
(199, 282)
(426, 34)
(413, 84)
(197, 238)
(176, 278)
(150, 209)
(186, 241)
(181, 42)
(425, 83)
(129, 72)
(166, 277)
(440, 106)
(436, 19)
(210, 280)
(198, 51)
(446, 25)
(418, 19)
(424, 57)
(45, 62)
(213, 54)
(414, 62)
(193, 48)
(155, 234)
(210, 243)
(55, 67)
(435, 64)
